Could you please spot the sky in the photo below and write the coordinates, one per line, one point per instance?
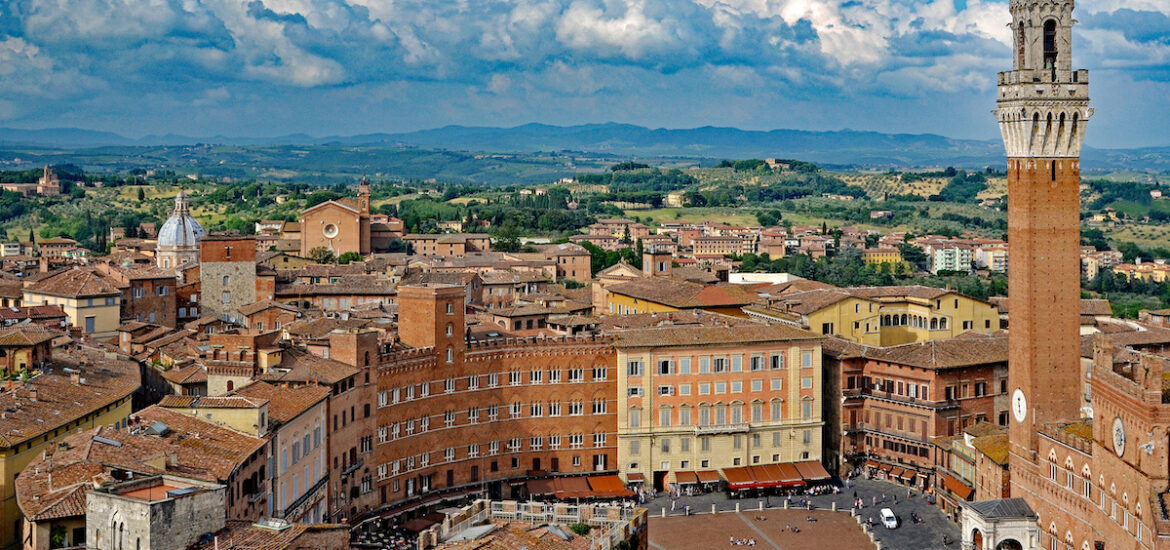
(343, 67)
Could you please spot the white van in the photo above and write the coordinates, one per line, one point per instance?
(889, 519)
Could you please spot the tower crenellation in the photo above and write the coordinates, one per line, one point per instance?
(1043, 104)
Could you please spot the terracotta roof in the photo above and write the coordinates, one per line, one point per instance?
(614, 323)
(192, 374)
(207, 402)
(55, 485)
(698, 336)
(458, 278)
(346, 284)
(243, 535)
(25, 336)
(994, 446)
(811, 301)
(685, 295)
(513, 536)
(941, 354)
(60, 401)
(257, 307)
(302, 366)
(77, 283)
(285, 404)
(31, 312)
(322, 326)
(912, 291)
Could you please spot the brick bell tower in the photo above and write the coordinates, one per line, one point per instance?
(1042, 109)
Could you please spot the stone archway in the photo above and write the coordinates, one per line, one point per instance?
(976, 539)
(1009, 544)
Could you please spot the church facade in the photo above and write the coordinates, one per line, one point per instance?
(338, 226)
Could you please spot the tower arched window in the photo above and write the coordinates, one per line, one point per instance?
(225, 280)
(1050, 44)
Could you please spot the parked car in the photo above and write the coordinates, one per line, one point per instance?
(889, 519)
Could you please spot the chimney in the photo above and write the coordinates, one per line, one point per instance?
(75, 377)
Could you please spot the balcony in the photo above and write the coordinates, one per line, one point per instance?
(352, 468)
(713, 429)
(874, 429)
(303, 502)
(890, 397)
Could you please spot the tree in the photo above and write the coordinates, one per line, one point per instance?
(350, 256)
(141, 195)
(507, 240)
(915, 256)
(322, 255)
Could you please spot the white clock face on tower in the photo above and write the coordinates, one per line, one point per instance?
(1019, 406)
(1118, 436)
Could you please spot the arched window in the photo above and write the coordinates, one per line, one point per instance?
(934, 323)
(225, 280)
(942, 323)
(1050, 44)
(904, 319)
(231, 385)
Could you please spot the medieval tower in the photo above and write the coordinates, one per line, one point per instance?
(1042, 109)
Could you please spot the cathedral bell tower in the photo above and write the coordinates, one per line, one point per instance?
(1042, 109)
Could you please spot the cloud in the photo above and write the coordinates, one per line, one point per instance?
(504, 54)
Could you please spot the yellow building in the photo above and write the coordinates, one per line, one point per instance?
(881, 316)
(96, 392)
(707, 398)
(879, 256)
(1144, 271)
(91, 299)
(660, 295)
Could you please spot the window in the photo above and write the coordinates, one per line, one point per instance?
(684, 389)
(473, 415)
(554, 442)
(757, 385)
(757, 363)
(806, 382)
(515, 378)
(721, 387)
(535, 377)
(720, 364)
(777, 409)
(684, 416)
(664, 366)
(599, 440)
(665, 390)
(493, 380)
(576, 408)
(473, 383)
(737, 364)
(684, 365)
(599, 406)
(516, 409)
(576, 441)
(757, 412)
(634, 368)
(704, 388)
(449, 418)
(806, 409)
(664, 445)
(450, 308)
(599, 373)
(225, 280)
(576, 375)
(664, 416)
(226, 297)
(635, 418)
(704, 365)
(554, 377)
(449, 385)
(737, 386)
(554, 409)
(635, 447)
(89, 324)
(806, 359)
(536, 443)
(778, 361)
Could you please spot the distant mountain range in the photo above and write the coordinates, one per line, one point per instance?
(842, 148)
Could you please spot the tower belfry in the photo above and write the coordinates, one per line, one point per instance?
(1042, 109)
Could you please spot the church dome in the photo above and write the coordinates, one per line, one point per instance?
(181, 230)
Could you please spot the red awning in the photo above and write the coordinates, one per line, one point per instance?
(896, 472)
(762, 476)
(813, 471)
(635, 477)
(872, 464)
(956, 487)
(573, 487)
(708, 476)
(908, 474)
(609, 486)
(541, 487)
(738, 478)
(789, 475)
(886, 467)
(774, 475)
(686, 478)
